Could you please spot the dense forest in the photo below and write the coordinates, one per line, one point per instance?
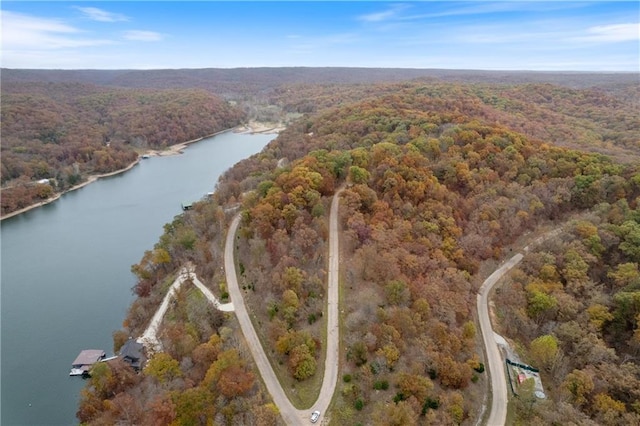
(440, 178)
(63, 126)
(437, 187)
(62, 133)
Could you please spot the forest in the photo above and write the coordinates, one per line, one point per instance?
(60, 127)
(434, 193)
(440, 181)
(56, 135)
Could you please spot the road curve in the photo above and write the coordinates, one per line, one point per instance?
(289, 413)
(499, 400)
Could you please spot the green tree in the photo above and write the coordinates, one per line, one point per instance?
(629, 232)
(358, 175)
(163, 368)
(544, 350)
(397, 292)
(625, 274)
(540, 303)
(301, 362)
(193, 406)
(599, 315)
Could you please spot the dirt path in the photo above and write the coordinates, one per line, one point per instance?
(150, 336)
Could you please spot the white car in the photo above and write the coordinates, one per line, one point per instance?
(315, 416)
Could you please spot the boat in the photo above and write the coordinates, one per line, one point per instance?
(85, 360)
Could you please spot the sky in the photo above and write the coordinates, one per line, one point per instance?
(496, 35)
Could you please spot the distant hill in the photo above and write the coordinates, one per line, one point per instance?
(65, 125)
(231, 82)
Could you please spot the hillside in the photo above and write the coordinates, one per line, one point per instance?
(66, 132)
(68, 125)
(435, 193)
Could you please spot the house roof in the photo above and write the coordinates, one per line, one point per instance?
(89, 356)
(131, 349)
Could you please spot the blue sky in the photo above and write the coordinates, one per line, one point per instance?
(507, 35)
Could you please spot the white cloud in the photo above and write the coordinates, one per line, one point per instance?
(96, 14)
(139, 35)
(21, 31)
(383, 16)
(612, 33)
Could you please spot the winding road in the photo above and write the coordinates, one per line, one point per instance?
(498, 410)
(499, 400)
(292, 416)
(289, 413)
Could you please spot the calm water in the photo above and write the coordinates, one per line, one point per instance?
(66, 282)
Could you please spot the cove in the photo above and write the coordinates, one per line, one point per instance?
(65, 271)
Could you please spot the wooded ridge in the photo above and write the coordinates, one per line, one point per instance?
(64, 126)
(436, 194)
(442, 180)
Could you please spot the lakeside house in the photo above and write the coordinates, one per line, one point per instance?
(132, 353)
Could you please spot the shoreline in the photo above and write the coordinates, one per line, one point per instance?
(251, 128)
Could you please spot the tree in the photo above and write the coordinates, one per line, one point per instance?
(160, 411)
(625, 274)
(607, 408)
(267, 415)
(599, 315)
(526, 398)
(629, 231)
(193, 407)
(452, 373)
(163, 368)
(397, 292)
(390, 353)
(235, 381)
(418, 386)
(358, 175)
(301, 362)
(544, 350)
(540, 304)
(400, 414)
(579, 385)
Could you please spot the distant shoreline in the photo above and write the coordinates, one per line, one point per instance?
(251, 128)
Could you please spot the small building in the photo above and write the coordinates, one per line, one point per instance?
(44, 182)
(187, 206)
(85, 360)
(132, 353)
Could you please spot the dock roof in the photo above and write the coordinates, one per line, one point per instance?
(89, 356)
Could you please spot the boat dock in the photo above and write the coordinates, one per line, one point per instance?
(85, 360)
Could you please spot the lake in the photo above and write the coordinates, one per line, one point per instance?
(65, 270)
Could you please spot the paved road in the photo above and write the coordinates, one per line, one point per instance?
(289, 413)
(332, 359)
(498, 410)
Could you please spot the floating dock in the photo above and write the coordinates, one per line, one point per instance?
(85, 360)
